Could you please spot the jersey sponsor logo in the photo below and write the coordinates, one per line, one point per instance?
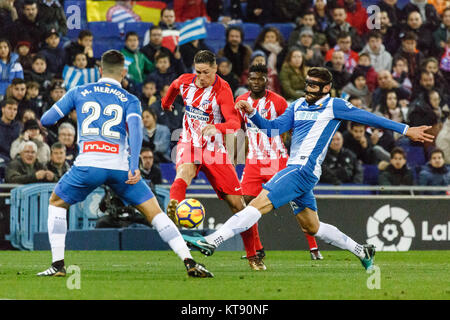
(306, 115)
(100, 146)
(196, 114)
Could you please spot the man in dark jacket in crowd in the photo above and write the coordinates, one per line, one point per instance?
(9, 127)
(51, 15)
(58, 164)
(28, 27)
(340, 164)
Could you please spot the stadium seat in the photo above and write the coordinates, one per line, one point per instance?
(168, 172)
(370, 174)
(216, 31)
(104, 30)
(251, 32)
(102, 45)
(139, 27)
(215, 45)
(285, 28)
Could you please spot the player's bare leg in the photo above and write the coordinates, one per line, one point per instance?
(313, 247)
(236, 204)
(185, 173)
(170, 234)
(57, 229)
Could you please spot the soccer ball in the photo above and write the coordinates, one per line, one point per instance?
(190, 213)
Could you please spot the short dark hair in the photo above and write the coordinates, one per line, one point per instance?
(8, 101)
(151, 111)
(85, 33)
(161, 55)
(342, 35)
(112, 61)
(258, 68)
(29, 2)
(166, 9)
(205, 56)
(236, 28)
(322, 73)
(356, 124)
(375, 34)
(130, 34)
(57, 145)
(146, 149)
(17, 81)
(398, 150)
(38, 57)
(154, 27)
(77, 54)
(437, 150)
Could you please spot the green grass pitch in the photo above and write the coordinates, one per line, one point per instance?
(291, 275)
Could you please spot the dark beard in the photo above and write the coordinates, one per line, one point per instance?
(315, 97)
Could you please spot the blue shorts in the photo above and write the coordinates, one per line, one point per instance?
(294, 185)
(79, 182)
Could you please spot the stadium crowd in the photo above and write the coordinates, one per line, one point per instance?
(399, 69)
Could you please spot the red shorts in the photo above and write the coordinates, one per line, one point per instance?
(215, 164)
(257, 172)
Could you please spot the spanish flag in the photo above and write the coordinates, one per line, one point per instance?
(124, 11)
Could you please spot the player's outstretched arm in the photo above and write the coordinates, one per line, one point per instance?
(59, 109)
(418, 134)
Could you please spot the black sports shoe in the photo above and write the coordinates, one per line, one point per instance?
(260, 253)
(56, 270)
(196, 270)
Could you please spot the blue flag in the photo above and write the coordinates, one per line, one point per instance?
(192, 30)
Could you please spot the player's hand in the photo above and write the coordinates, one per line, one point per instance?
(418, 134)
(209, 130)
(133, 178)
(170, 107)
(244, 106)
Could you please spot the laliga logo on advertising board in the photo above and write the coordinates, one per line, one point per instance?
(390, 229)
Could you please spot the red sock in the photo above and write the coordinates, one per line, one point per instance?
(248, 237)
(311, 242)
(258, 244)
(178, 190)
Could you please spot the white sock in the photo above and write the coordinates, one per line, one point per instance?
(332, 235)
(170, 234)
(239, 222)
(57, 229)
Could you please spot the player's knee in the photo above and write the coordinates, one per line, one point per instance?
(57, 201)
(311, 228)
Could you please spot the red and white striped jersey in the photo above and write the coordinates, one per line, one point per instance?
(211, 105)
(260, 146)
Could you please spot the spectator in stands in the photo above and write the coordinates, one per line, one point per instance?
(380, 58)
(164, 73)
(400, 73)
(322, 14)
(226, 12)
(139, 66)
(224, 70)
(340, 76)
(387, 83)
(260, 11)
(10, 67)
(172, 119)
(443, 140)
(27, 115)
(357, 87)
(52, 16)
(26, 168)
(189, 9)
(32, 132)
(340, 164)
(39, 73)
(344, 43)
(393, 11)
(259, 57)
(66, 136)
(9, 127)
(27, 27)
(34, 96)
(150, 170)
(425, 41)
(408, 50)
(308, 22)
(238, 53)
(55, 92)
(340, 25)
(156, 136)
(82, 44)
(396, 173)
(311, 53)
(440, 36)
(170, 32)
(148, 96)
(293, 75)
(356, 14)
(189, 50)
(389, 31)
(360, 143)
(58, 164)
(288, 10)
(424, 85)
(271, 42)
(425, 110)
(79, 74)
(435, 172)
(431, 64)
(8, 14)
(54, 55)
(428, 13)
(25, 57)
(18, 90)
(390, 108)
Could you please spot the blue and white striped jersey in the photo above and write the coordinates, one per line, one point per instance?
(103, 109)
(314, 127)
